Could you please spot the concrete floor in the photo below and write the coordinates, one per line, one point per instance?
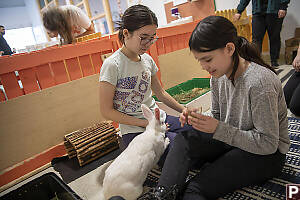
(88, 187)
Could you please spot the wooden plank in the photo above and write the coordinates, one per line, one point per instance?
(186, 38)
(181, 41)
(73, 68)
(11, 85)
(96, 61)
(29, 81)
(45, 76)
(154, 55)
(59, 72)
(160, 46)
(174, 40)
(168, 44)
(86, 65)
(2, 96)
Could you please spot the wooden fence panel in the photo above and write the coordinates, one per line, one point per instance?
(160, 46)
(45, 76)
(86, 65)
(2, 96)
(96, 61)
(168, 44)
(60, 72)
(73, 68)
(11, 85)
(29, 81)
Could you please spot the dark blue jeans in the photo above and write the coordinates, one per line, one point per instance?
(174, 128)
(223, 168)
(292, 93)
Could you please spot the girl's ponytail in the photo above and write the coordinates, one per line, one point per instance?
(250, 52)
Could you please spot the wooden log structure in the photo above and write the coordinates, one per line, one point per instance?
(90, 143)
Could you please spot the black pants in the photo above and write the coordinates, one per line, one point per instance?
(292, 93)
(229, 168)
(272, 24)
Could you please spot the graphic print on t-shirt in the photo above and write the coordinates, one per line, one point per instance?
(130, 92)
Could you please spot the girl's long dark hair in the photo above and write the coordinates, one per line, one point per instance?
(214, 32)
(135, 17)
(54, 19)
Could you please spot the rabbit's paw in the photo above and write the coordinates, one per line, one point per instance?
(167, 142)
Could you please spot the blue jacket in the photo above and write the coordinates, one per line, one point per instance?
(4, 46)
(273, 6)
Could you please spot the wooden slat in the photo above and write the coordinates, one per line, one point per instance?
(97, 61)
(11, 85)
(174, 40)
(73, 68)
(154, 55)
(29, 81)
(60, 73)
(168, 44)
(160, 46)
(86, 65)
(186, 38)
(45, 76)
(2, 96)
(181, 41)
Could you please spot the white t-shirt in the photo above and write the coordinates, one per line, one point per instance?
(133, 85)
(80, 22)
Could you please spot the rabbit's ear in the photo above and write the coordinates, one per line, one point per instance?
(157, 114)
(147, 112)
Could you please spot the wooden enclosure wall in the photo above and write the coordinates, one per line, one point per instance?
(179, 66)
(33, 123)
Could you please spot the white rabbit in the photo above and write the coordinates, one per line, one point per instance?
(127, 173)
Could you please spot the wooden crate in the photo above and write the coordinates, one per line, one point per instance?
(91, 143)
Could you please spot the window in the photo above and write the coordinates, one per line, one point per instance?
(20, 38)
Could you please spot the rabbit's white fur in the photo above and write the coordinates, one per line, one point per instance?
(126, 175)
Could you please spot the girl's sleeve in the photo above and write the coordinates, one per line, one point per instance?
(109, 72)
(153, 65)
(263, 139)
(215, 109)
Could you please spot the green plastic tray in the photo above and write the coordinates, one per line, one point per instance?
(188, 85)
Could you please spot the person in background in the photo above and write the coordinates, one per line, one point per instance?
(4, 47)
(69, 22)
(292, 87)
(267, 15)
(129, 75)
(245, 139)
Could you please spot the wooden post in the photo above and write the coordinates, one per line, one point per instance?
(108, 16)
(87, 8)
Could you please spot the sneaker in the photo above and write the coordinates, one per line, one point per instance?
(160, 193)
(274, 64)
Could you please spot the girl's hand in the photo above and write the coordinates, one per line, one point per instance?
(203, 123)
(183, 117)
(296, 62)
(281, 13)
(236, 17)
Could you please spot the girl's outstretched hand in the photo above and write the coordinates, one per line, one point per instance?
(202, 123)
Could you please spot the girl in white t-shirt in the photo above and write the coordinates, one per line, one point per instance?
(128, 76)
(69, 22)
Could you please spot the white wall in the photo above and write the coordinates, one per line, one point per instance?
(157, 6)
(14, 17)
(36, 20)
(291, 21)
